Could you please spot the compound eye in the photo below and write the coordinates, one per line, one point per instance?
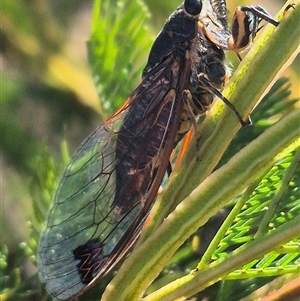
(193, 7)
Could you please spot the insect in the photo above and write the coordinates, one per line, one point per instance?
(109, 186)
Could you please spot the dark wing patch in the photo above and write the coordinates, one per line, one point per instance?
(89, 259)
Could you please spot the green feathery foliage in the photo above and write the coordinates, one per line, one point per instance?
(117, 48)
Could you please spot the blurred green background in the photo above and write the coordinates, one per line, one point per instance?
(48, 95)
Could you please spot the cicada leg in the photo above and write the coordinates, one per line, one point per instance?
(292, 5)
(245, 25)
(205, 82)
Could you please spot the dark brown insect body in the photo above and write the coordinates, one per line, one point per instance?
(109, 186)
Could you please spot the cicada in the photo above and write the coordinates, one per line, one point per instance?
(107, 190)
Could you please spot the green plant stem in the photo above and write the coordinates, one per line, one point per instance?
(197, 281)
(240, 274)
(206, 258)
(147, 260)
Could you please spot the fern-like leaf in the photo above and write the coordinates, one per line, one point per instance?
(117, 48)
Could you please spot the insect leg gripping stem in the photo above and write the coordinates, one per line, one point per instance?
(215, 91)
(245, 25)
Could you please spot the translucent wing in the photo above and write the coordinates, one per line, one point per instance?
(81, 211)
(108, 187)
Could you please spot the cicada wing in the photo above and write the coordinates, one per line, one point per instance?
(96, 216)
(82, 225)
